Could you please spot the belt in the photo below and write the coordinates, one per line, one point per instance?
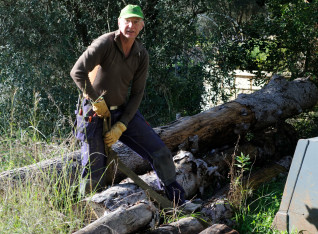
(113, 107)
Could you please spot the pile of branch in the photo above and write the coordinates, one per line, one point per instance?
(203, 144)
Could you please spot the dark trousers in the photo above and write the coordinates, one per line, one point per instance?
(139, 136)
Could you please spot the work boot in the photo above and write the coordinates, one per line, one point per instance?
(175, 193)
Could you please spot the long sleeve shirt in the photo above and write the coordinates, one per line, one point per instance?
(116, 73)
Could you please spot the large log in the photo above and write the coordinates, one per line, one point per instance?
(122, 220)
(70, 165)
(193, 174)
(278, 100)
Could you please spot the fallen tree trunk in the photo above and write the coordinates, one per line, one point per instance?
(194, 174)
(278, 100)
(122, 220)
(70, 165)
(221, 125)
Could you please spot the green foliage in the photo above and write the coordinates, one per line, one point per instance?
(276, 36)
(261, 209)
(175, 75)
(174, 215)
(288, 29)
(35, 61)
(47, 202)
(306, 124)
(239, 190)
(296, 24)
(243, 162)
(32, 208)
(189, 42)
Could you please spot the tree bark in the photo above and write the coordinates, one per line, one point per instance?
(193, 174)
(219, 228)
(278, 100)
(122, 220)
(187, 225)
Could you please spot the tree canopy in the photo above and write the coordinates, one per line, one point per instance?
(189, 42)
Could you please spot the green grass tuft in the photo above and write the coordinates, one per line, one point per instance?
(261, 209)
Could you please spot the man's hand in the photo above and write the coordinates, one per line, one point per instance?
(114, 134)
(101, 109)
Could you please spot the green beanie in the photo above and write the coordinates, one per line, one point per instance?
(131, 11)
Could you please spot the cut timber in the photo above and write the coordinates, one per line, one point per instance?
(278, 100)
(193, 174)
(187, 225)
(122, 220)
(218, 229)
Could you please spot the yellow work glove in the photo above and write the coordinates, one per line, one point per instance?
(115, 132)
(100, 107)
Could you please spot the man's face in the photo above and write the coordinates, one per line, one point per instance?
(130, 27)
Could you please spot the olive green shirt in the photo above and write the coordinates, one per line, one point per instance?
(116, 73)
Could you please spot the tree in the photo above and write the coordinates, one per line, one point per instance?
(294, 29)
(274, 35)
(35, 62)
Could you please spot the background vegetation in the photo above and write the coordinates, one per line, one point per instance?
(190, 42)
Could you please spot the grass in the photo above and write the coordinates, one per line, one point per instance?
(254, 211)
(46, 204)
(31, 208)
(23, 149)
(259, 212)
(37, 207)
(174, 215)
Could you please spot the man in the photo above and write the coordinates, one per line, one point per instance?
(123, 62)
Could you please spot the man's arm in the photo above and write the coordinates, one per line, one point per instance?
(86, 63)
